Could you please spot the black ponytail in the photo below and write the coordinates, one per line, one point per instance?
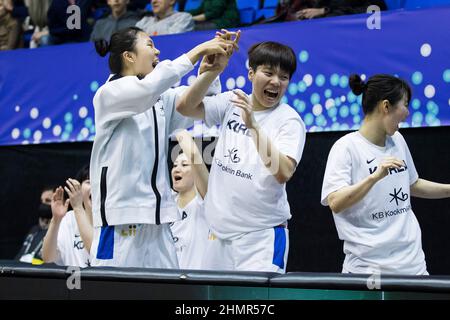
(378, 88)
(121, 41)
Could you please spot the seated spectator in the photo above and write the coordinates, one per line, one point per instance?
(58, 20)
(293, 10)
(31, 250)
(10, 28)
(216, 14)
(119, 19)
(165, 19)
(69, 236)
(37, 10)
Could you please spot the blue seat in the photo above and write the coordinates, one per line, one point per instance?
(247, 16)
(192, 4)
(149, 8)
(270, 3)
(265, 13)
(394, 4)
(247, 4)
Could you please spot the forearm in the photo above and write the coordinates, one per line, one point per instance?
(279, 165)
(50, 245)
(85, 227)
(191, 100)
(430, 190)
(348, 196)
(199, 18)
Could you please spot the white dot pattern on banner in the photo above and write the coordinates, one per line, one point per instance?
(84, 133)
(57, 130)
(240, 82)
(25, 142)
(17, 108)
(429, 91)
(317, 109)
(83, 112)
(449, 101)
(37, 136)
(230, 84)
(307, 78)
(34, 113)
(329, 103)
(15, 133)
(46, 123)
(343, 98)
(247, 65)
(425, 50)
(363, 77)
(191, 79)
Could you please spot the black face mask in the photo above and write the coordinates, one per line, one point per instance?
(45, 211)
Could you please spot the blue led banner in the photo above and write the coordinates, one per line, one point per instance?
(46, 94)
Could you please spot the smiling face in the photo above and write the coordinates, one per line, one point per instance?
(182, 176)
(144, 58)
(269, 86)
(394, 114)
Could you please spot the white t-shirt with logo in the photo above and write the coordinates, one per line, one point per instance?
(190, 234)
(381, 233)
(70, 246)
(243, 196)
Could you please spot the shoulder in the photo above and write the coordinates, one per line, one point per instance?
(181, 15)
(346, 142)
(144, 20)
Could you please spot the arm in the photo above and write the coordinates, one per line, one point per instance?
(199, 18)
(430, 190)
(59, 209)
(190, 103)
(85, 226)
(346, 197)
(14, 36)
(280, 166)
(194, 155)
(128, 96)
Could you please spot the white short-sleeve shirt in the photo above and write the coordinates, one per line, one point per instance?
(190, 234)
(243, 196)
(70, 246)
(381, 233)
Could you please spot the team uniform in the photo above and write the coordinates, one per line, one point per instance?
(70, 250)
(129, 175)
(190, 234)
(246, 208)
(380, 233)
(131, 196)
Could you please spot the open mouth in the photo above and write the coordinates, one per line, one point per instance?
(177, 178)
(155, 62)
(272, 94)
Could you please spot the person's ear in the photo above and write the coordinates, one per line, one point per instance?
(129, 56)
(251, 74)
(385, 105)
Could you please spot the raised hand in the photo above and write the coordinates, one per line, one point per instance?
(73, 189)
(58, 205)
(242, 101)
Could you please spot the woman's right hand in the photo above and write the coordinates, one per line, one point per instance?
(386, 164)
(58, 205)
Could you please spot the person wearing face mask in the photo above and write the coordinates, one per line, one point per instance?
(369, 180)
(31, 250)
(165, 20)
(119, 19)
(69, 237)
(190, 181)
(134, 117)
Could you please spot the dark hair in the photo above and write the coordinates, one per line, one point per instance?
(379, 87)
(121, 41)
(83, 174)
(51, 187)
(273, 54)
